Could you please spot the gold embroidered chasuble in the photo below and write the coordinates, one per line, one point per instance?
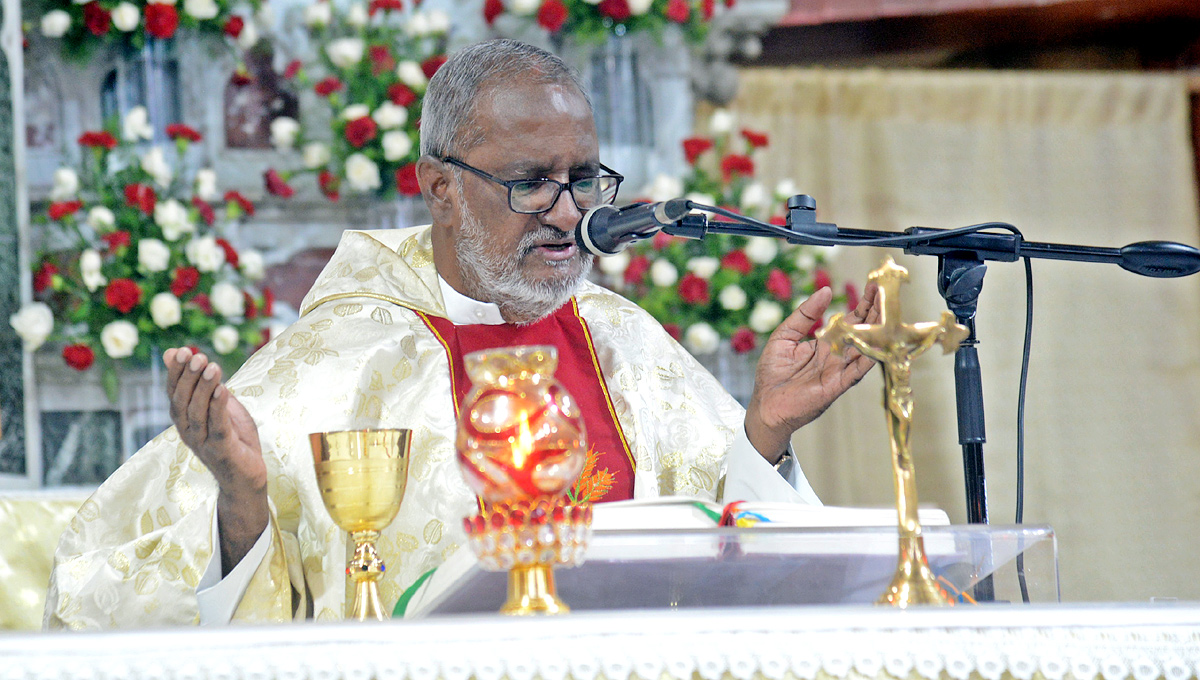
(359, 356)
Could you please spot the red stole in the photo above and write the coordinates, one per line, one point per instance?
(578, 371)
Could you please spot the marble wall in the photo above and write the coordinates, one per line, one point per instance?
(12, 391)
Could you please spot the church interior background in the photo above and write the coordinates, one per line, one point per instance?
(1075, 120)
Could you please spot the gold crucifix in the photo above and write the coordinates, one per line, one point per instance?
(895, 344)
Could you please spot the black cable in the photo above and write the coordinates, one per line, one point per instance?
(1020, 514)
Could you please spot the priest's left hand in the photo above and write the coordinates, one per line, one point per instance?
(798, 377)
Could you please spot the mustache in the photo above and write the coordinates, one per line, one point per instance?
(546, 233)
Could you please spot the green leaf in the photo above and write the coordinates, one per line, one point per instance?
(111, 383)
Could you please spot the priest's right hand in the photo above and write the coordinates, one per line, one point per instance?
(220, 431)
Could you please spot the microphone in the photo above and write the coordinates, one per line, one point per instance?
(606, 229)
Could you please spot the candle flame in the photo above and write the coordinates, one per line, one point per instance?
(523, 447)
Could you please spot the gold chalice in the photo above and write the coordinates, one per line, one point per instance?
(362, 475)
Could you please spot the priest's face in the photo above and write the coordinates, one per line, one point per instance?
(528, 264)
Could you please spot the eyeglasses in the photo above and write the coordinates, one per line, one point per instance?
(533, 196)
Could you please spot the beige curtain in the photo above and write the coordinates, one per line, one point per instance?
(1113, 433)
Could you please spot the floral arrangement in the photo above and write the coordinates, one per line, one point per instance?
(135, 259)
(722, 288)
(591, 21)
(372, 64)
(90, 23)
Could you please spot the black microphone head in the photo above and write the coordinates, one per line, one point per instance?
(596, 219)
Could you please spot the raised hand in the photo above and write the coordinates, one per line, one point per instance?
(220, 431)
(798, 377)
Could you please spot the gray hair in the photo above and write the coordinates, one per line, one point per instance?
(448, 125)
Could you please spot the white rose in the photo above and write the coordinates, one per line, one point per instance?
(702, 199)
(356, 15)
(785, 189)
(165, 2)
(806, 259)
(101, 218)
(701, 338)
(524, 7)
(754, 196)
(315, 155)
(732, 297)
(154, 162)
(251, 264)
(205, 254)
(388, 115)
(126, 17)
(200, 9)
(418, 24)
(153, 255)
(721, 122)
(663, 273)
(614, 265)
(206, 184)
(704, 267)
(165, 310)
(761, 250)
(136, 125)
(345, 52)
(356, 111)
(396, 145)
(66, 184)
(55, 23)
(89, 269)
(318, 14)
(410, 73)
(33, 323)
(765, 316)
(227, 300)
(361, 173)
(265, 16)
(225, 339)
(248, 37)
(831, 253)
(283, 132)
(173, 219)
(439, 21)
(639, 7)
(119, 339)
(663, 188)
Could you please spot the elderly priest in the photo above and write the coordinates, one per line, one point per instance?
(219, 518)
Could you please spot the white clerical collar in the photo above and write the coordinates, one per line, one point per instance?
(462, 310)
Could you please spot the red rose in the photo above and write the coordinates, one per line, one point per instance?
(491, 10)
(778, 220)
(234, 26)
(737, 261)
(756, 139)
(203, 304)
(328, 86)
(329, 184)
(292, 69)
(382, 60)
(678, 11)
(736, 164)
(79, 357)
(184, 281)
(431, 65)
(693, 289)
(617, 10)
(142, 197)
(64, 208)
(360, 131)
(181, 131)
(401, 94)
(816, 326)
(122, 295)
(406, 180)
(661, 240)
(43, 278)
(251, 306)
(206, 212)
(706, 9)
(268, 305)
(161, 20)
(743, 340)
(821, 280)
(673, 330)
(98, 139)
(97, 19)
(276, 185)
(552, 15)
(116, 239)
(694, 146)
(241, 77)
(244, 203)
(391, 5)
(635, 272)
(231, 255)
(851, 296)
(779, 285)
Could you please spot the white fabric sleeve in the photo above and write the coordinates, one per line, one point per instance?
(218, 598)
(749, 477)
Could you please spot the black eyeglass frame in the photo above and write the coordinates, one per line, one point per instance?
(569, 186)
